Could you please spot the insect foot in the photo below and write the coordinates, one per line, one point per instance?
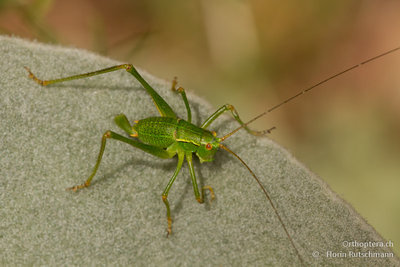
(169, 229)
(33, 77)
(77, 187)
(209, 188)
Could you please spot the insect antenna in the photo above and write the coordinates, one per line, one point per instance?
(269, 130)
(309, 89)
(269, 199)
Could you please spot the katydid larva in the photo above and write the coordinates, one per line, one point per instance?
(169, 135)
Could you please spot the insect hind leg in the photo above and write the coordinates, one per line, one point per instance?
(162, 106)
(156, 151)
(181, 91)
(106, 135)
(166, 190)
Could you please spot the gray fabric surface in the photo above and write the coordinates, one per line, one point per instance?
(49, 141)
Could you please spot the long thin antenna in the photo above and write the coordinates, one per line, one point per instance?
(310, 88)
(269, 199)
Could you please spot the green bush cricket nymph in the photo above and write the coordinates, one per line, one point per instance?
(169, 135)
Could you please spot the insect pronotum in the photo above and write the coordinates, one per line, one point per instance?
(169, 135)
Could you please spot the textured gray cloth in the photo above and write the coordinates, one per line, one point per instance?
(50, 137)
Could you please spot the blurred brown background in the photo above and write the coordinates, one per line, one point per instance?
(254, 54)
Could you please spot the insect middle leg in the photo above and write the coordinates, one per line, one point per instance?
(199, 198)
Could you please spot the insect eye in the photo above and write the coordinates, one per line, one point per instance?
(208, 146)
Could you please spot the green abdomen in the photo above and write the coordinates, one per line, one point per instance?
(157, 131)
(163, 131)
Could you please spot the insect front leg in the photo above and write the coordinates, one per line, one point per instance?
(235, 114)
(183, 94)
(199, 198)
